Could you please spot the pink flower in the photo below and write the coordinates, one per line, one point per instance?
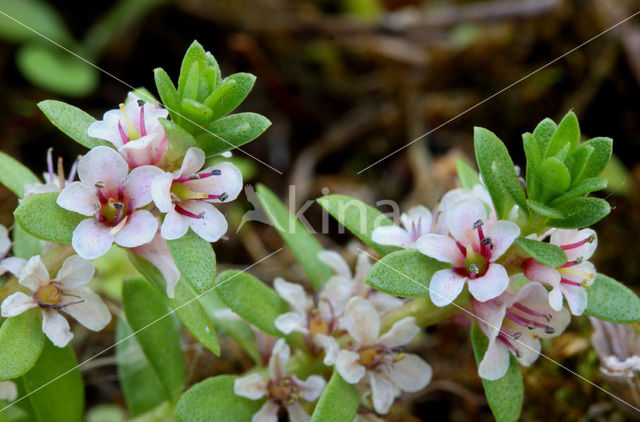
(108, 192)
(64, 293)
(186, 196)
(415, 223)
(573, 278)
(375, 361)
(515, 324)
(157, 252)
(54, 180)
(281, 389)
(134, 129)
(472, 249)
(11, 264)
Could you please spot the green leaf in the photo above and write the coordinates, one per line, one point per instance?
(72, 121)
(195, 259)
(178, 140)
(489, 148)
(213, 400)
(14, 175)
(168, 93)
(532, 154)
(612, 301)
(554, 178)
(581, 188)
(212, 73)
(544, 210)
(231, 132)
(250, 298)
(568, 132)
(545, 253)
(185, 303)
(197, 114)
(510, 183)
(140, 385)
(304, 246)
(577, 161)
(466, 174)
(232, 97)
(506, 394)
(24, 245)
(190, 89)
(157, 333)
(63, 399)
(21, 341)
(32, 14)
(580, 212)
(218, 92)
(337, 391)
(40, 216)
(404, 273)
(195, 54)
(543, 133)
(359, 218)
(602, 150)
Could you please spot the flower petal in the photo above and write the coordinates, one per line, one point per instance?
(293, 294)
(362, 321)
(330, 346)
(138, 184)
(401, 333)
(157, 252)
(495, 362)
(384, 302)
(279, 357)
(193, 161)
(8, 391)
(502, 234)
(536, 271)
(462, 217)
(348, 367)
(334, 261)
(75, 272)
(381, 393)
(440, 247)
(267, 413)
(91, 311)
(445, 287)
(411, 373)
(251, 386)
(16, 304)
(14, 265)
(311, 388)
(417, 221)
(229, 182)
(562, 237)
(91, 239)
(337, 291)
(296, 413)
(211, 226)
(78, 197)
(56, 327)
(290, 322)
(491, 284)
(174, 225)
(35, 274)
(161, 191)
(139, 229)
(391, 235)
(103, 164)
(576, 298)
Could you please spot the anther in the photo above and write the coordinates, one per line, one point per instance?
(99, 185)
(216, 172)
(592, 238)
(518, 354)
(223, 196)
(517, 335)
(140, 103)
(486, 241)
(477, 224)
(549, 330)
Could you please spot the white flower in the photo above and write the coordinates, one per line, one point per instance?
(416, 222)
(471, 249)
(281, 389)
(376, 360)
(64, 293)
(186, 196)
(8, 391)
(114, 197)
(54, 181)
(134, 129)
(514, 324)
(12, 264)
(157, 252)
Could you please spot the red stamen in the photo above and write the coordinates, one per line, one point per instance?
(575, 245)
(462, 248)
(569, 282)
(101, 196)
(571, 263)
(186, 213)
(530, 311)
(503, 338)
(123, 135)
(524, 322)
(143, 130)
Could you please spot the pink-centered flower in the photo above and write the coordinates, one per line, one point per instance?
(281, 389)
(114, 197)
(573, 278)
(64, 293)
(376, 361)
(134, 129)
(416, 222)
(186, 196)
(472, 249)
(514, 324)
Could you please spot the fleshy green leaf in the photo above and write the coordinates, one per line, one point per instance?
(337, 391)
(14, 175)
(192, 314)
(195, 259)
(545, 253)
(197, 114)
(506, 394)
(544, 210)
(510, 183)
(554, 178)
(218, 92)
(404, 273)
(250, 298)
(140, 385)
(40, 216)
(568, 132)
(543, 133)
(359, 218)
(195, 54)
(72, 121)
(612, 301)
(598, 159)
(466, 174)
(581, 212)
(232, 97)
(532, 154)
(583, 187)
(24, 245)
(156, 332)
(213, 400)
(168, 93)
(190, 88)
(304, 246)
(231, 132)
(21, 342)
(489, 148)
(63, 399)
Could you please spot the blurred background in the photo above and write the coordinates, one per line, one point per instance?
(346, 82)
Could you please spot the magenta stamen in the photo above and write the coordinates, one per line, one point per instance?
(72, 172)
(574, 245)
(121, 193)
(462, 248)
(524, 322)
(50, 165)
(118, 216)
(569, 282)
(123, 135)
(213, 197)
(503, 338)
(485, 250)
(186, 213)
(570, 264)
(101, 196)
(143, 130)
(529, 311)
